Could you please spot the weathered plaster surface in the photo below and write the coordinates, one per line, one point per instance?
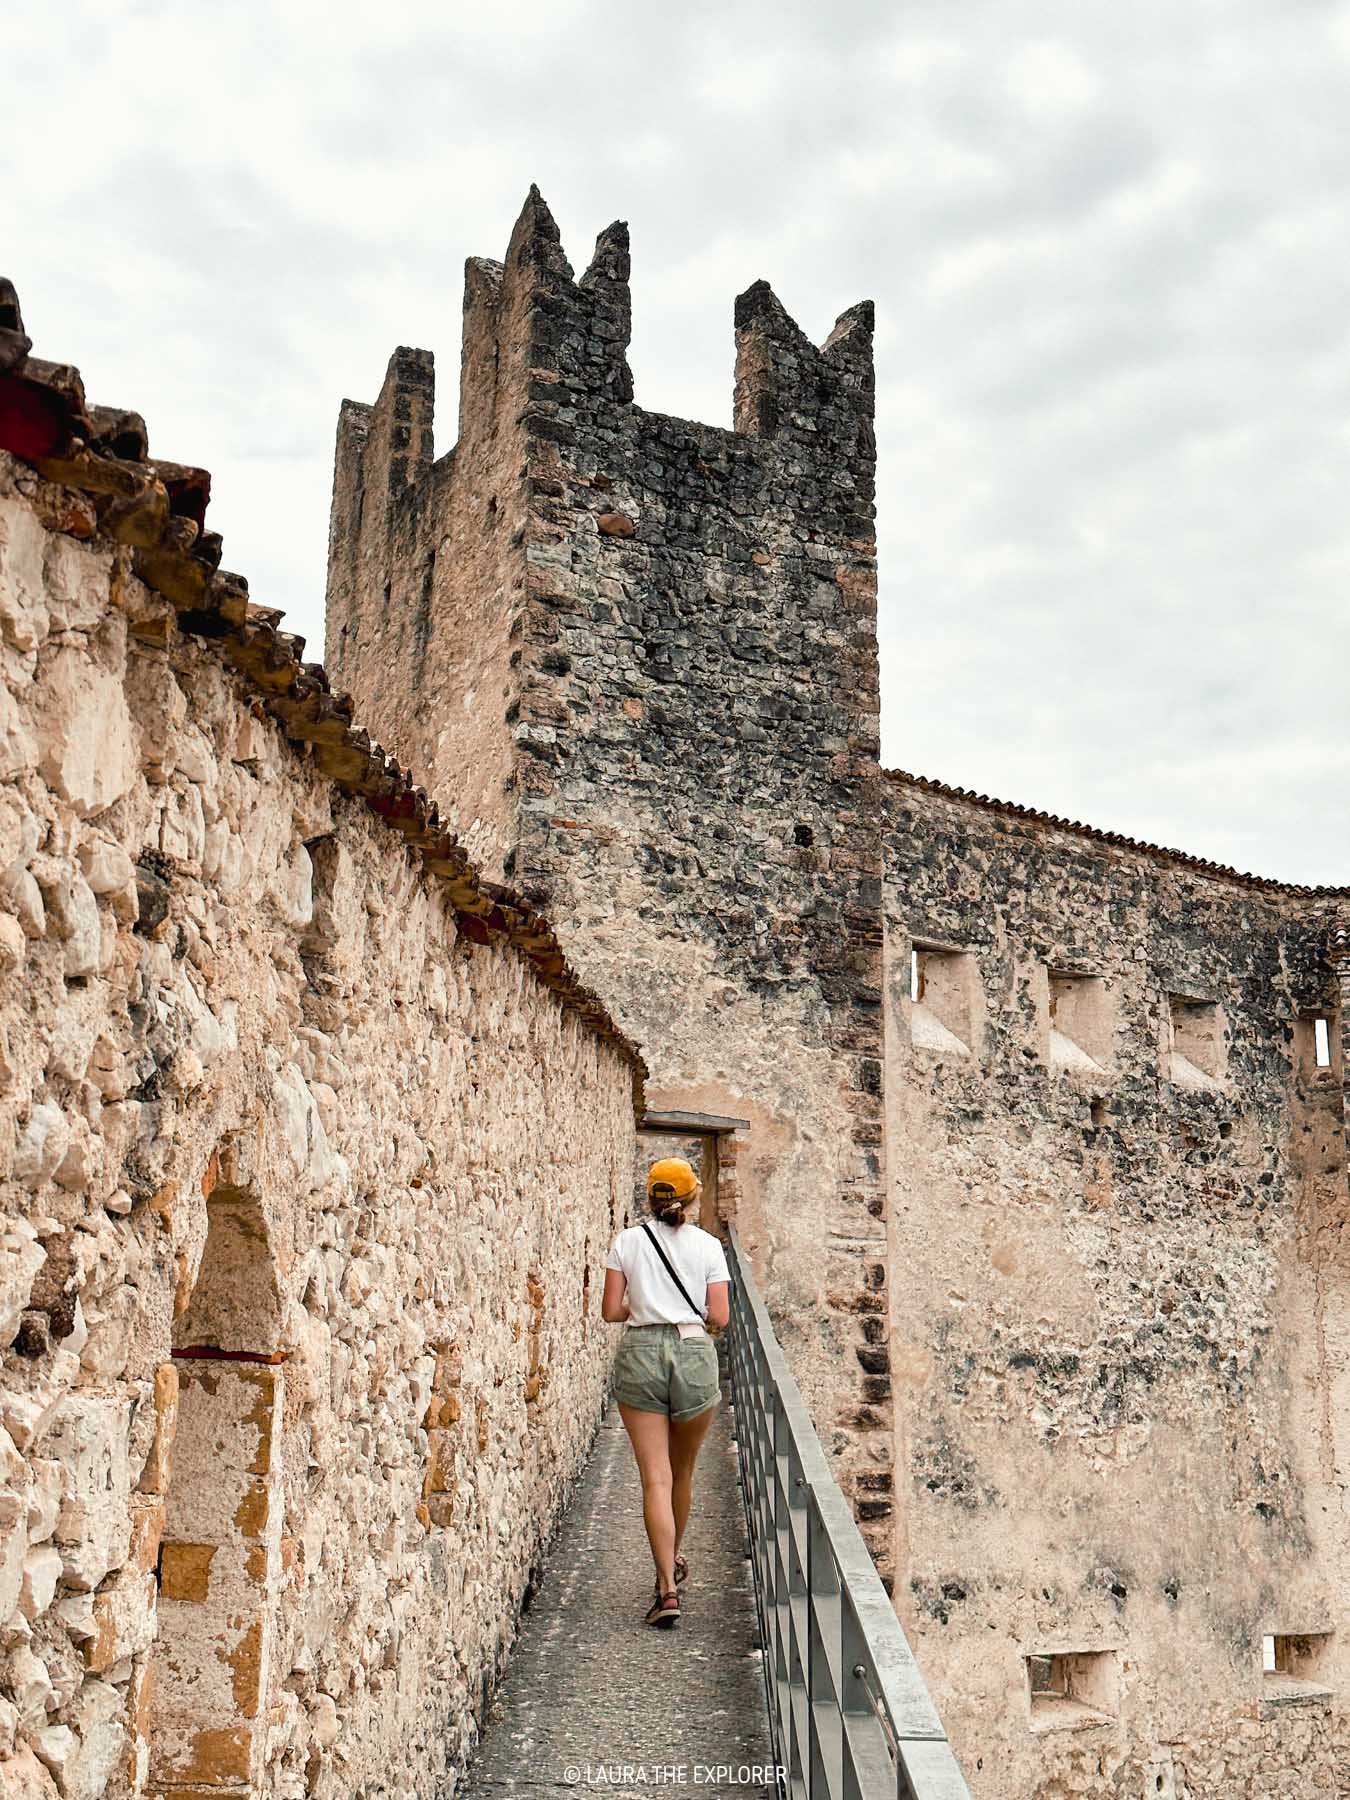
(1120, 1309)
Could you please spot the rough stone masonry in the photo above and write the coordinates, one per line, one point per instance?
(1045, 1174)
(312, 1144)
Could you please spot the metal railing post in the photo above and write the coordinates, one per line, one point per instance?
(849, 1713)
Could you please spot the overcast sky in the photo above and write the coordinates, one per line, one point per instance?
(1108, 246)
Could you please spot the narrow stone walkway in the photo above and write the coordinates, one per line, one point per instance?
(596, 1701)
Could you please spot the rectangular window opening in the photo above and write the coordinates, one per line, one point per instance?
(1080, 1021)
(1073, 1690)
(1317, 1044)
(944, 999)
(1199, 1057)
(1294, 1668)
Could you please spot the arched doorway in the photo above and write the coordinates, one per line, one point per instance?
(220, 1565)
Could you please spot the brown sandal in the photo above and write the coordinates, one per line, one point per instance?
(681, 1576)
(664, 1611)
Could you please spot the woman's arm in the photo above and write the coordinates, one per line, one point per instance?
(613, 1306)
(719, 1304)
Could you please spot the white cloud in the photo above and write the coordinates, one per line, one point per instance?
(1106, 245)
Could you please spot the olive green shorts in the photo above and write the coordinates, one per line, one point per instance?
(657, 1370)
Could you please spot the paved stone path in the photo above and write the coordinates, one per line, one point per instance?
(595, 1700)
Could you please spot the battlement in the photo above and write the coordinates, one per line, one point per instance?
(434, 564)
(540, 345)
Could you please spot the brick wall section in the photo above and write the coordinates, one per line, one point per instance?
(1121, 1312)
(305, 1198)
(688, 621)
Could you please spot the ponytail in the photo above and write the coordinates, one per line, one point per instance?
(666, 1205)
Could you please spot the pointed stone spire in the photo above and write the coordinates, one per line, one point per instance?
(536, 240)
(606, 286)
(853, 331)
(785, 384)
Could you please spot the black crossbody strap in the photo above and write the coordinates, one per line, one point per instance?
(655, 1243)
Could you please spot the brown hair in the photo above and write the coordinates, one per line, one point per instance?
(666, 1205)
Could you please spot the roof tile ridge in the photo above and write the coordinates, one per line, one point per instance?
(1118, 840)
(156, 511)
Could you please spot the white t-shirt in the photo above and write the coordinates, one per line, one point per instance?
(653, 1298)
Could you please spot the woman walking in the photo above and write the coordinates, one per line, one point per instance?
(667, 1281)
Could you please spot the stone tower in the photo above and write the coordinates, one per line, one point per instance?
(635, 660)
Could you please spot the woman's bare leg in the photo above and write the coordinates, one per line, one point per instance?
(686, 1440)
(650, 1435)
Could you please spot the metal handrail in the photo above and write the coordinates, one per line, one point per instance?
(850, 1714)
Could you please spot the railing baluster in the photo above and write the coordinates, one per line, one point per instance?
(850, 1716)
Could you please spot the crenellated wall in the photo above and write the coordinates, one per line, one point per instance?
(655, 641)
(1121, 1307)
(303, 1185)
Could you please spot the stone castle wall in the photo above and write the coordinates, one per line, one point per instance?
(675, 626)
(303, 1188)
(1121, 1306)
(1045, 1172)
(1044, 1177)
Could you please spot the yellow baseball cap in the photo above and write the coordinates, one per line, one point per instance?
(672, 1175)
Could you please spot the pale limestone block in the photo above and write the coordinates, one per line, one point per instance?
(72, 1042)
(252, 742)
(84, 734)
(27, 1415)
(55, 1746)
(23, 897)
(18, 746)
(13, 940)
(214, 850)
(108, 1069)
(23, 603)
(186, 1073)
(80, 1167)
(13, 1467)
(182, 829)
(98, 1717)
(302, 1131)
(208, 1036)
(43, 1142)
(76, 1613)
(161, 711)
(44, 1498)
(41, 1572)
(21, 831)
(84, 945)
(78, 1336)
(323, 1720)
(196, 758)
(106, 865)
(21, 1256)
(89, 1435)
(29, 1686)
(105, 1356)
(77, 583)
(327, 1102)
(23, 1777)
(292, 888)
(124, 1619)
(13, 1548)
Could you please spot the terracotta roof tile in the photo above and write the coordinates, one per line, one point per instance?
(1031, 816)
